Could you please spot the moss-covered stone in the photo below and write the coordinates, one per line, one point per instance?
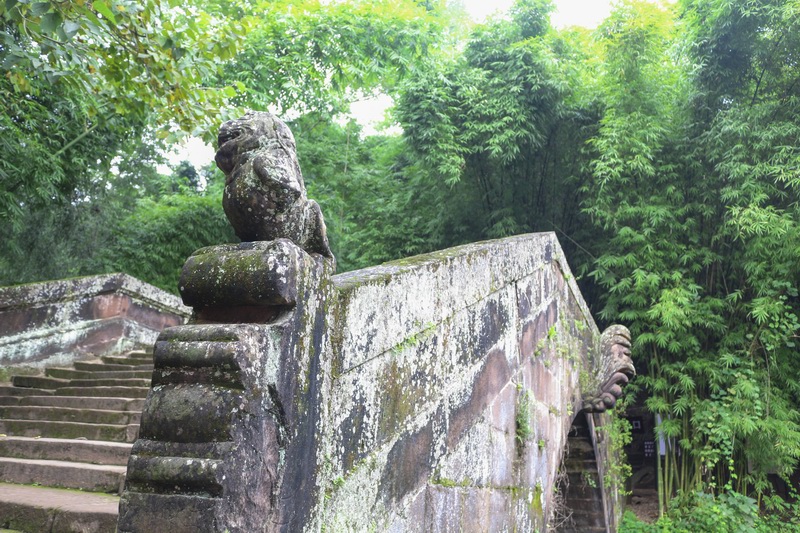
(440, 379)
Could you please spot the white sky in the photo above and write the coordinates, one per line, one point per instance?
(587, 13)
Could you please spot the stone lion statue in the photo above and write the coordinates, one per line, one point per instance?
(265, 197)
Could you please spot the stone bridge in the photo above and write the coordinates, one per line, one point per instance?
(436, 393)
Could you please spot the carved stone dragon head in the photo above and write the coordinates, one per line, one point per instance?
(616, 369)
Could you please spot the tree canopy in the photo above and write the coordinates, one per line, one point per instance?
(94, 92)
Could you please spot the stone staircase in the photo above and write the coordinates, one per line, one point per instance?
(583, 492)
(72, 428)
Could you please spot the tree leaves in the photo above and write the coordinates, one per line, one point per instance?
(110, 49)
(692, 180)
(495, 128)
(311, 57)
(50, 22)
(103, 7)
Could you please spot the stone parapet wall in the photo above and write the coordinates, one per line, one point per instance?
(56, 322)
(429, 394)
(454, 380)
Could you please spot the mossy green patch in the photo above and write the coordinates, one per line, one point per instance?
(451, 483)
(536, 501)
(523, 419)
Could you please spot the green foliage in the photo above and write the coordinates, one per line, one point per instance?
(618, 432)
(729, 512)
(631, 524)
(524, 430)
(57, 243)
(372, 210)
(52, 147)
(159, 235)
(131, 58)
(92, 89)
(678, 141)
(146, 228)
(309, 56)
(693, 189)
(493, 131)
(85, 82)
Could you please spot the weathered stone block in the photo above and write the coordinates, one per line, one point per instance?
(412, 518)
(504, 455)
(475, 509)
(500, 517)
(140, 512)
(237, 275)
(58, 322)
(443, 509)
(504, 409)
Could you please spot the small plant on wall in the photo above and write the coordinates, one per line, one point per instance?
(523, 420)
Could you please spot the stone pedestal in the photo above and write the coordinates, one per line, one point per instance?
(227, 439)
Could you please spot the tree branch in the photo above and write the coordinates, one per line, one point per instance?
(77, 139)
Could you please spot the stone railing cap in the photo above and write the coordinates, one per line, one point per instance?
(31, 294)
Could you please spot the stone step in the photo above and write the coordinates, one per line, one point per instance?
(105, 367)
(580, 453)
(63, 474)
(69, 373)
(36, 509)
(83, 402)
(50, 383)
(38, 382)
(122, 360)
(596, 524)
(578, 490)
(134, 382)
(69, 430)
(84, 451)
(69, 414)
(587, 475)
(579, 464)
(10, 390)
(195, 512)
(105, 392)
